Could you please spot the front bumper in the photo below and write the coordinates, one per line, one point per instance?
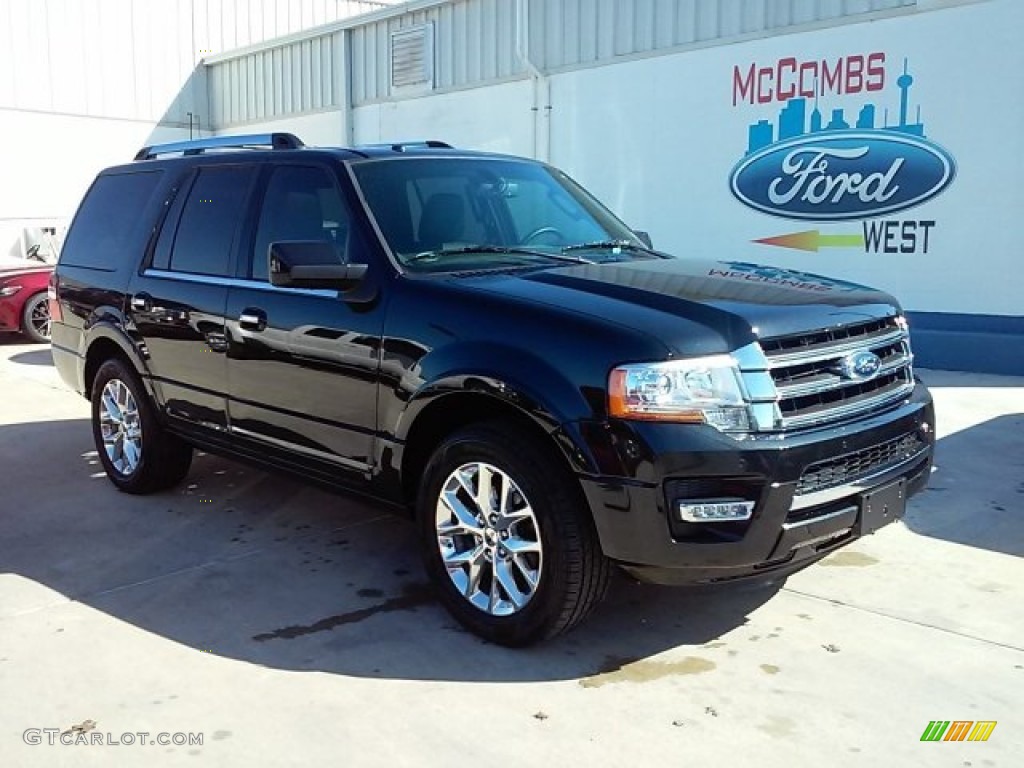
(10, 314)
(799, 515)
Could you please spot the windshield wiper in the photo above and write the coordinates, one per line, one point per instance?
(464, 249)
(622, 245)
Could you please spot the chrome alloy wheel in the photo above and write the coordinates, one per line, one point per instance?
(489, 539)
(121, 426)
(40, 319)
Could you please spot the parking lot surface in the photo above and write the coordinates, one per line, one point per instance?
(282, 625)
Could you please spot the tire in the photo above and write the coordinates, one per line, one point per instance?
(35, 318)
(139, 455)
(533, 570)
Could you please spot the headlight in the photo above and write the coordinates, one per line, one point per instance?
(9, 290)
(704, 390)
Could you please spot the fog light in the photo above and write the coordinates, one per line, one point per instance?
(714, 510)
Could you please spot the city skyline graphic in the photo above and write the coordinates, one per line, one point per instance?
(794, 121)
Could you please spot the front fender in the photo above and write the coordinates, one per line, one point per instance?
(519, 378)
(512, 378)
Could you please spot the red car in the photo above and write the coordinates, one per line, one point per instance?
(23, 303)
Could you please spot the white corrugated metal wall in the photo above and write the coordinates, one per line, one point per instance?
(129, 59)
(475, 42)
(107, 76)
(295, 78)
(569, 33)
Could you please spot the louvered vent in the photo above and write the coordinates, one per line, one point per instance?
(412, 57)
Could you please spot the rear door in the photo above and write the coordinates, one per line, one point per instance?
(303, 365)
(177, 302)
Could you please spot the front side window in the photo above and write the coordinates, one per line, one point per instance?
(209, 221)
(435, 211)
(301, 203)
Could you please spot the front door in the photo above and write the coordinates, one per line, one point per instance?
(303, 364)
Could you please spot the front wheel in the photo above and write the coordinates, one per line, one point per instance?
(137, 453)
(35, 318)
(507, 539)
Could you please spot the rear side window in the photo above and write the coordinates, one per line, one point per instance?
(209, 221)
(109, 221)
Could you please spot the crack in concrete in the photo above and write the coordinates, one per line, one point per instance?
(902, 619)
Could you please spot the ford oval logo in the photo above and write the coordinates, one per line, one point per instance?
(860, 366)
(842, 175)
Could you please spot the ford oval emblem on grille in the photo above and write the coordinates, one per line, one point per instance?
(860, 366)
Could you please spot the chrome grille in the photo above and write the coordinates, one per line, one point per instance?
(842, 470)
(805, 371)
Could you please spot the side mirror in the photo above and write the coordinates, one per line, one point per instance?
(645, 238)
(311, 264)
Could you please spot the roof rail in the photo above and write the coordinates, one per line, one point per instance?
(198, 146)
(403, 146)
(428, 144)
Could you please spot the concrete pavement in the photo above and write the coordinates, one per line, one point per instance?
(292, 627)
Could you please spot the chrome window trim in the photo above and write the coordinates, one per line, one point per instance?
(234, 282)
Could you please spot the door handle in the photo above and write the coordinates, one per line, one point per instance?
(141, 302)
(252, 319)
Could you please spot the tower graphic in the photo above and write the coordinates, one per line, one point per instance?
(815, 113)
(903, 82)
(793, 118)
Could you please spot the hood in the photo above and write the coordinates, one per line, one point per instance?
(740, 301)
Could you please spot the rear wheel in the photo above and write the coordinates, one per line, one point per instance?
(507, 539)
(138, 454)
(35, 318)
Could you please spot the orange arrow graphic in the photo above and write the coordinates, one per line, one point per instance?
(813, 240)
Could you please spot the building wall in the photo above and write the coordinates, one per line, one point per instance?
(85, 83)
(662, 107)
(496, 119)
(483, 42)
(574, 33)
(309, 75)
(683, 125)
(318, 129)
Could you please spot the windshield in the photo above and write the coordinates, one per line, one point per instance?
(448, 214)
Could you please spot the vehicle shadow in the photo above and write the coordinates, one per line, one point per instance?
(41, 356)
(976, 494)
(259, 568)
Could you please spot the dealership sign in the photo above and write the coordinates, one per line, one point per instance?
(840, 145)
(842, 175)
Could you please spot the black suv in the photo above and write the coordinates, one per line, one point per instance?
(474, 338)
